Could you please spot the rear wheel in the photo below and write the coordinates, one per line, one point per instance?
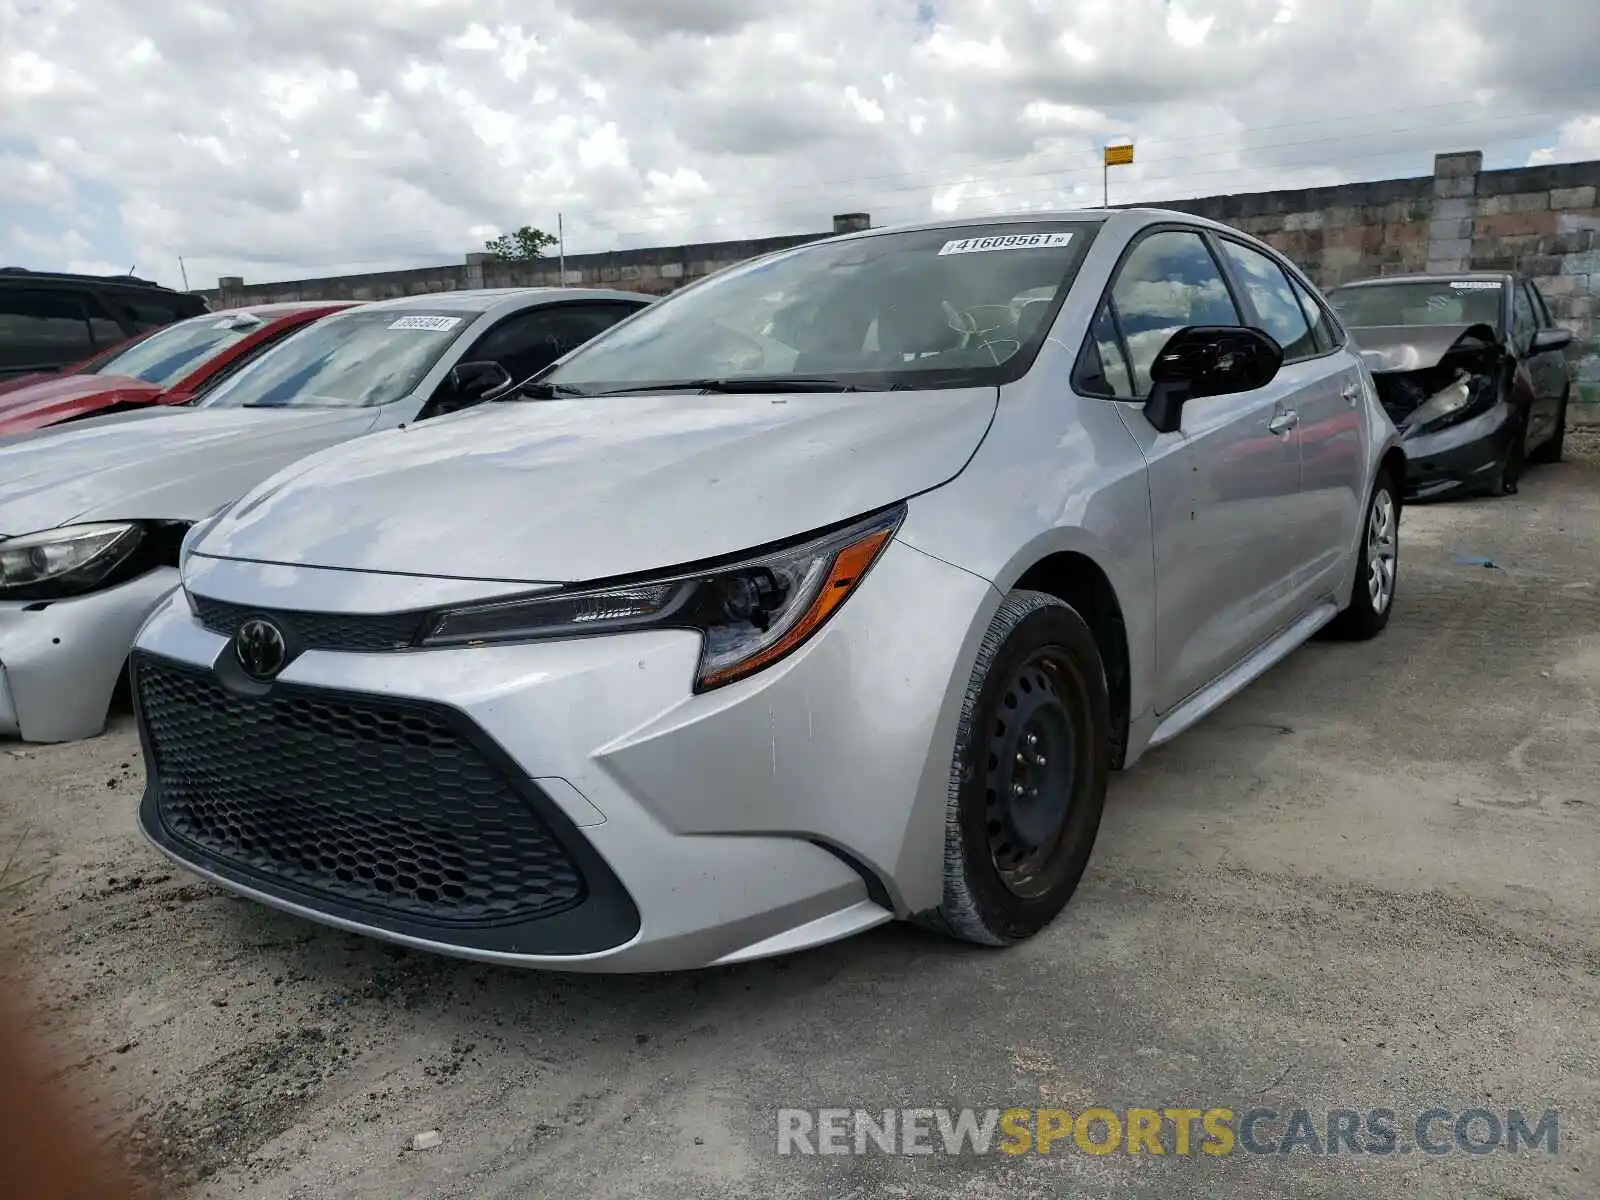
(1028, 780)
(1551, 451)
(1377, 567)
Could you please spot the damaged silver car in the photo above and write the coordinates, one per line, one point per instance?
(1472, 370)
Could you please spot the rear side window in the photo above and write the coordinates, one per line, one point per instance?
(1323, 330)
(43, 328)
(1272, 296)
(152, 312)
(105, 331)
(1168, 280)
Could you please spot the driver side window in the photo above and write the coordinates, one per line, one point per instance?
(1169, 280)
(530, 341)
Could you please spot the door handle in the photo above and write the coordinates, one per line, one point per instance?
(1284, 421)
(1351, 393)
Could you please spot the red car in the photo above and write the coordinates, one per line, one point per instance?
(171, 365)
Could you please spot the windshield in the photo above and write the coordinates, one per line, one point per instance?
(1443, 301)
(353, 360)
(169, 354)
(926, 308)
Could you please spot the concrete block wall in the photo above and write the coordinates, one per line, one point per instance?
(1335, 234)
(655, 270)
(1543, 221)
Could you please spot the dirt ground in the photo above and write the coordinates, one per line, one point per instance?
(1370, 881)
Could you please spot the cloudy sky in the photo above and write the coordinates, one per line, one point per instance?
(313, 137)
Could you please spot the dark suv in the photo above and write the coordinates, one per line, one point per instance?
(50, 321)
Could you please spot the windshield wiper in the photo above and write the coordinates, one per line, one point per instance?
(742, 385)
(542, 391)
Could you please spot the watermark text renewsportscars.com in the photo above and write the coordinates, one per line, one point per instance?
(1172, 1131)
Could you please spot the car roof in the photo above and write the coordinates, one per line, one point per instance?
(278, 308)
(1083, 216)
(500, 300)
(1135, 217)
(1430, 277)
(27, 275)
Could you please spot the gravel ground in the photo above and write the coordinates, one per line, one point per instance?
(1368, 882)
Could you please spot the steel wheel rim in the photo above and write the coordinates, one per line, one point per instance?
(1382, 551)
(1034, 756)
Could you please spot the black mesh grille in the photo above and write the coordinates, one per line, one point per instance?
(318, 631)
(351, 797)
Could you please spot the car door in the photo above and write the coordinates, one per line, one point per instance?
(1322, 388)
(1547, 370)
(1222, 487)
(1523, 326)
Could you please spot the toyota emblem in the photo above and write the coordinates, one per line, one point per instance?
(260, 648)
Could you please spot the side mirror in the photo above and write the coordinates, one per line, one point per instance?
(472, 382)
(1550, 339)
(1208, 360)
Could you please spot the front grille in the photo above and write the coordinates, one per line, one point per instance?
(318, 631)
(381, 804)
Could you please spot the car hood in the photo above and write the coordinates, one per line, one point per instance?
(1390, 348)
(173, 464)
(17, 382)
(56, 397)
(569, 490)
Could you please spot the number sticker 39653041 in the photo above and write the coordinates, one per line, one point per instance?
(437, 324)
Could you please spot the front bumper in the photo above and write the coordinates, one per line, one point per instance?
(60, 661)
(597, 815)
(1463, 458)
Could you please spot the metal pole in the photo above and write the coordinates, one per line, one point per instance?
(185, 272)
(561, 243)
(1105, 183)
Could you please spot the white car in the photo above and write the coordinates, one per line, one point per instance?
(92, 513)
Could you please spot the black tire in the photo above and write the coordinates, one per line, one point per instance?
(1364, 617)
(1553, 448)
(1038, 672)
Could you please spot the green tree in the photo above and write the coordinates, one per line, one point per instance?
(526, 243)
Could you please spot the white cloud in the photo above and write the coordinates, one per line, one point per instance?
(1577, 141)
(1186, 30)
(866, 108)
(305, 137)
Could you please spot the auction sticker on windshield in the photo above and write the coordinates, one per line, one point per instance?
(1477, 285)
(437, 324)
(1005, 241)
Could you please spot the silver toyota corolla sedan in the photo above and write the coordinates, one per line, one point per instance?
(825, 592)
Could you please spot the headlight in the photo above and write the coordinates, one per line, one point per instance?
(1468, 396)
(65, 561)
(750, 613)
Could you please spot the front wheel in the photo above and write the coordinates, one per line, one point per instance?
(1377, 567)
(1028, 779)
